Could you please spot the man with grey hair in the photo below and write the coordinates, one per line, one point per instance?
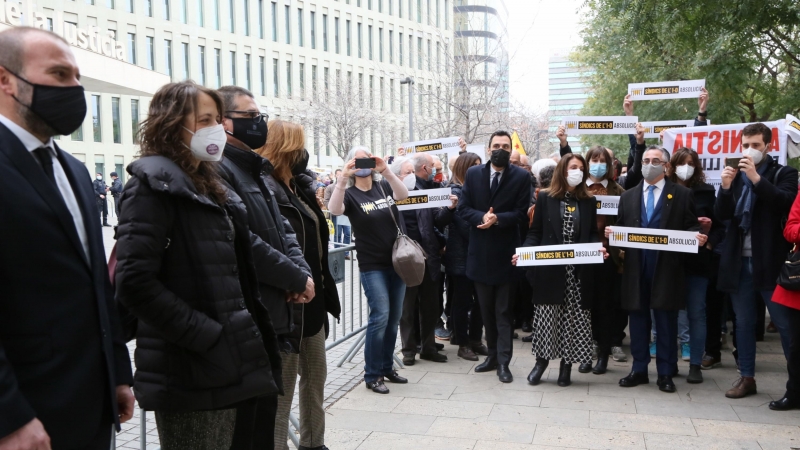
(65, 373)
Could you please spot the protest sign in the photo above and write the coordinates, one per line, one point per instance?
(654, 129)
(433, 146)
(716, 142)
(607, 205)
(599, 124)
(478, 149)
(552, 255)
(654, 239)
(660, 90)
(793, 127)
(427, 198)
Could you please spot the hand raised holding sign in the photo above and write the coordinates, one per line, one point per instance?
(627, 105)
(702, 103)
(489, 219)
(701, 239)
(561, 134)
(454, 199)
(640, 133)
(608, 232)
(514, 260)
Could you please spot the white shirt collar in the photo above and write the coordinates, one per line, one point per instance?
(659, 186)
(28, 140)
(492, 171)
(589, 182)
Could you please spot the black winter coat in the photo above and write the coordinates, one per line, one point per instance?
(704, 198)
(549, 282)
(455, 255)
(771, 208)
(429, 221)
(99, 187)
(185, 270)
(310, 317)
(279, 259)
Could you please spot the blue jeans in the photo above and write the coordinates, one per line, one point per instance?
(342, 234)
(745, 310)
(696, 313)
(683, 327)
(385, 292)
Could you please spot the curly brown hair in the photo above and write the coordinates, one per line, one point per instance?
(559, 186)
(160, 134)
(698, 177)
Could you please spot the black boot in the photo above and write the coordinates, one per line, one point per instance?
(602, 365)
(564, 373)
(538, 370)
(585, 367)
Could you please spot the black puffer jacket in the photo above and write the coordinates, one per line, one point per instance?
(455, 255)
(185, 269)
(279, 259)
(309, 317)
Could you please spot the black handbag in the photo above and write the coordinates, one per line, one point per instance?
(789, 277)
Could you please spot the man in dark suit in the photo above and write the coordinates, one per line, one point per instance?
(116, 191)
(655, 279)
(65, 373)
(100, 194)
(494, 202)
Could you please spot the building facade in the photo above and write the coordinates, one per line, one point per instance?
(568, 91)
(287, 52)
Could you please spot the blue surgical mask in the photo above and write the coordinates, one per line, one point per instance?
(432, 174)
(363, 173)
(598, 170)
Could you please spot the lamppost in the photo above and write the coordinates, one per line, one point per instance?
(410, 82)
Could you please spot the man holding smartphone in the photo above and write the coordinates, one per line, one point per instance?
(755, 197)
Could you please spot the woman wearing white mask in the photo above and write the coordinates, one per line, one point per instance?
(565, 214)
(685, 169)
(205, 343)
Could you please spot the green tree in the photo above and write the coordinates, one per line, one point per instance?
(747, 50)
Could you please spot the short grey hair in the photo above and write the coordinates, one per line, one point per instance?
(351, 155)
(397, 166)
(664, 152)
(229, 95)
(420, 160)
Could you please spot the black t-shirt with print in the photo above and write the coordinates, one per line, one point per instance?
(373, 227)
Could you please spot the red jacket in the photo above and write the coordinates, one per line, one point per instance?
(792, 234)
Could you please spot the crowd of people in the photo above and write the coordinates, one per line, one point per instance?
(220, 270)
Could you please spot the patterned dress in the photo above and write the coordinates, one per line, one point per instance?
(564, 331)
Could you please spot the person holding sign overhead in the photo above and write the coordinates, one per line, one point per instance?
(655, 279)
(565, 214)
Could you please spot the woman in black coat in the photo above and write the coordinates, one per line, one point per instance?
(205, 343)
(294, 189)
(565, 214)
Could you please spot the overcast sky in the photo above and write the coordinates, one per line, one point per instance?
(536, 29)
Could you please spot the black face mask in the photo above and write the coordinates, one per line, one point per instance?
(500, 158)
(253, 135)
(301, 164)
(61, 108)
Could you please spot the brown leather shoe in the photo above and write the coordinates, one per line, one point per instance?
(465, 352)
(479, 348)
(743, 387)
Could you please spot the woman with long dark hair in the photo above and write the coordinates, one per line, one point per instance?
(205, 343)
(565, 214)
(294, 188)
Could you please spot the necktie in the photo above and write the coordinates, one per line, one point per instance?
(44, 155)
(495, 182)
(651, 200)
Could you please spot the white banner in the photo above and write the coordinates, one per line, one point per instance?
(600, 124)
(661, 90)
(607, 205)
(654, 129)
(716, 142)
(478, 149)
(654, 239)
(553, 255)
(433, 146)
(793, 127)
(427, 198)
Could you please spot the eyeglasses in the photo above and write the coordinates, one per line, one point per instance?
(655, 162)
(255, 115)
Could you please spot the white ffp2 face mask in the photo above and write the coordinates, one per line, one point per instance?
(755, 154)
(574, 177)
(410, 181)
(684, 172)
(208, 143)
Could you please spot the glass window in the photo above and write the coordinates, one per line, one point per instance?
(150, 52)
(50, 23)
(400, 8)
(371, 91)
(380, 85)
(380, 6)
(261, 19)
(132, 48)
(446, 15)
(148, 8)
(400, 50)
(275, 85)
(347, 36)
(274, 7)
(218, 62)
(77, 135)
(438, 8)
(419, 53)
(100, 164)
(301, 73)
(233, 68)
(326, 75)
(262, 70)
(185, 48)
(314, 82)
(391, 47)
(380, 44)
(110, 4)
(358, 30)
(202, 60)
(312, 20)
(369, 40)
(390, 7)
(201, 13)
(184, 11)
(325, 32)
(429, 54)
(119, 167)
(286, 14)
(419, 11)
(134, 119)
(411, 51)
(288, 79)
(247, 71)
(300, 27)
(247, 17)
(369, 5)
(215, 12)
(115, 123)
(129, 5)
(336, 34)
(428, 11)
(96, 131)
(231, 16)
(165, 8)
(391, 95)
(168, 57)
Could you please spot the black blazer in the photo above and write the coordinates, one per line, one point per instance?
(669, 285)
(549, 282)
(61, 347)
(490, 250)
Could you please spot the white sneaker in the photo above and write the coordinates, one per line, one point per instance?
(618, 355)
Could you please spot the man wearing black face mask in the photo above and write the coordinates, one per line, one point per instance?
(65, 374)
(282, 270)
(494, 201)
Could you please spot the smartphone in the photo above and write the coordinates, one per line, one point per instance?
(732, 162)
(365, 163)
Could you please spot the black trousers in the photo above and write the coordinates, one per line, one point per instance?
(496, 304)
(102, 207)
(255, 420)
(102, 440)
(466, 321)
(793, 363)
(424, 297)
(523, 299)
(116, 204)
(607, 316)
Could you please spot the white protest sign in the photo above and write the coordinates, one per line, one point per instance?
(716, 142)
(654, 129)
(433, 146)
(552, 255)
(600, 124)
(427, 198)
(661, 90)
(793, 127)
(654, 239)
(478, 149)
(607, 205)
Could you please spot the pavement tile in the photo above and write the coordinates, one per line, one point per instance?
(453, 365)
(410, 375)
(391, 441)
(374, 402)
(573, 400)
(484, 380)
(642, 422)
(762, 414)
(488, 430)
(443, 408)
(496, 395)
(692, 410)
(746, 431)
(545, 416)
(561, 436)
(377, 421)
(671, 442)
(710, 397)
(344, 439)
(489, 445)
(432, 391)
